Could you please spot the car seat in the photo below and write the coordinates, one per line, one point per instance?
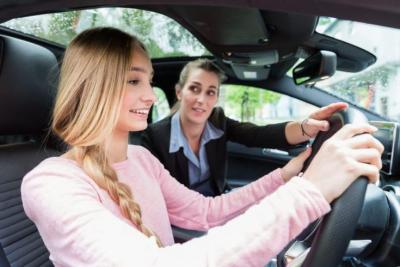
(28, 75)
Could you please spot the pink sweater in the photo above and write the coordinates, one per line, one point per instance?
(81, 225)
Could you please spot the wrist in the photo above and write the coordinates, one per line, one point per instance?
(287, 174)
(284, 174)
(302, 128)
(322, 188)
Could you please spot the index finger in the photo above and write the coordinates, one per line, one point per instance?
(327, 111)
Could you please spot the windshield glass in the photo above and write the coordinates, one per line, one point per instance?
(162, 36)
(377, 87)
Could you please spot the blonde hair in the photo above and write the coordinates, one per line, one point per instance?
(201, 63)
(92, 84)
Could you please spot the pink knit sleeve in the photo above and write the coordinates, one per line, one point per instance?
(272, 215)
(253, 238)
(191, 210)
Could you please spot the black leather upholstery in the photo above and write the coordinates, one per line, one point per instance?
(26, 96)
(19, 238)
(27, 81)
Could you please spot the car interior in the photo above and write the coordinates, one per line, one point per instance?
(368, 217)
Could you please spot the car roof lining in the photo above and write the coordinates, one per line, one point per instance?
(221, 30)
(271, 30)
(278, 28)
(383, 12)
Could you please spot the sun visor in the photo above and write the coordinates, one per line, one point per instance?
(214, 22)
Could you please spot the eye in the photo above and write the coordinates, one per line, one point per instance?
(194, 88)
(211, 93)
(133, 82)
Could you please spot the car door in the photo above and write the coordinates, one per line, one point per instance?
(259, 106)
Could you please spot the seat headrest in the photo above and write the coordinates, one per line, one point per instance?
(28, 75)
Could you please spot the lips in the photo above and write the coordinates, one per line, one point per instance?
(142, 111)
(139, 114)
(200, 110)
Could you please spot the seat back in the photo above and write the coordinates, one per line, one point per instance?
(20, 241)
(26, 97)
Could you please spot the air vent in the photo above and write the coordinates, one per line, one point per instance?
(388, 135)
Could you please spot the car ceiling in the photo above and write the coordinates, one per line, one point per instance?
(383, 12)
(284, 27)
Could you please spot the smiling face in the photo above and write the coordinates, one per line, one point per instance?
(198, 96)
(138, 96)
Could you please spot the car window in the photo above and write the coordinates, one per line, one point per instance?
(376, 87)
(161, 108)
(261, 106)
(162, 36)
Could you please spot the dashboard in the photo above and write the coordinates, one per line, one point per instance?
(388, 135)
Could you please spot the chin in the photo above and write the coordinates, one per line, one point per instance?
(138, 126)
(198, 120)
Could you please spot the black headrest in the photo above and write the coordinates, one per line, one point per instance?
(27, 86)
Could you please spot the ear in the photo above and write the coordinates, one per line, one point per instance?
(178, 90)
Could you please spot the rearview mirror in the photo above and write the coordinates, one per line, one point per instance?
(317, 67)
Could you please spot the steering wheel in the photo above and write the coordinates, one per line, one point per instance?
(336, 228)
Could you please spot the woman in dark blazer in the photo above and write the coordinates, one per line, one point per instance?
(192, 142)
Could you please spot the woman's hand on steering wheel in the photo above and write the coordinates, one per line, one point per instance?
(350, 153)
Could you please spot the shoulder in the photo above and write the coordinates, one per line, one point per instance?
(160, 125)
(218, 118)
(157, 135)
(56, 170)
(56, 166)
(55, 179)
(217, 112)
(160, 129)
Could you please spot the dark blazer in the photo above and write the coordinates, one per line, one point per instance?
(156, 138)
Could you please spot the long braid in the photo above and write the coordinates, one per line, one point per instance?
(96, 165)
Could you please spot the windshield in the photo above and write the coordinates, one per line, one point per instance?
(377, 87)
(162, 36)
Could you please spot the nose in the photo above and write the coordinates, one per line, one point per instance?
(149, 96)
(201, 97)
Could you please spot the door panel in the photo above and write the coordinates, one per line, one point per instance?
(247, 164)
(259, 106)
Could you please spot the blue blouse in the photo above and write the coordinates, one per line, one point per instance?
(199, 170)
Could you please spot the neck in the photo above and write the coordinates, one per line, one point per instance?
(117, 147)
(192, 131)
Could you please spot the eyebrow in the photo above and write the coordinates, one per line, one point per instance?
(197, 83)
(139, 69)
